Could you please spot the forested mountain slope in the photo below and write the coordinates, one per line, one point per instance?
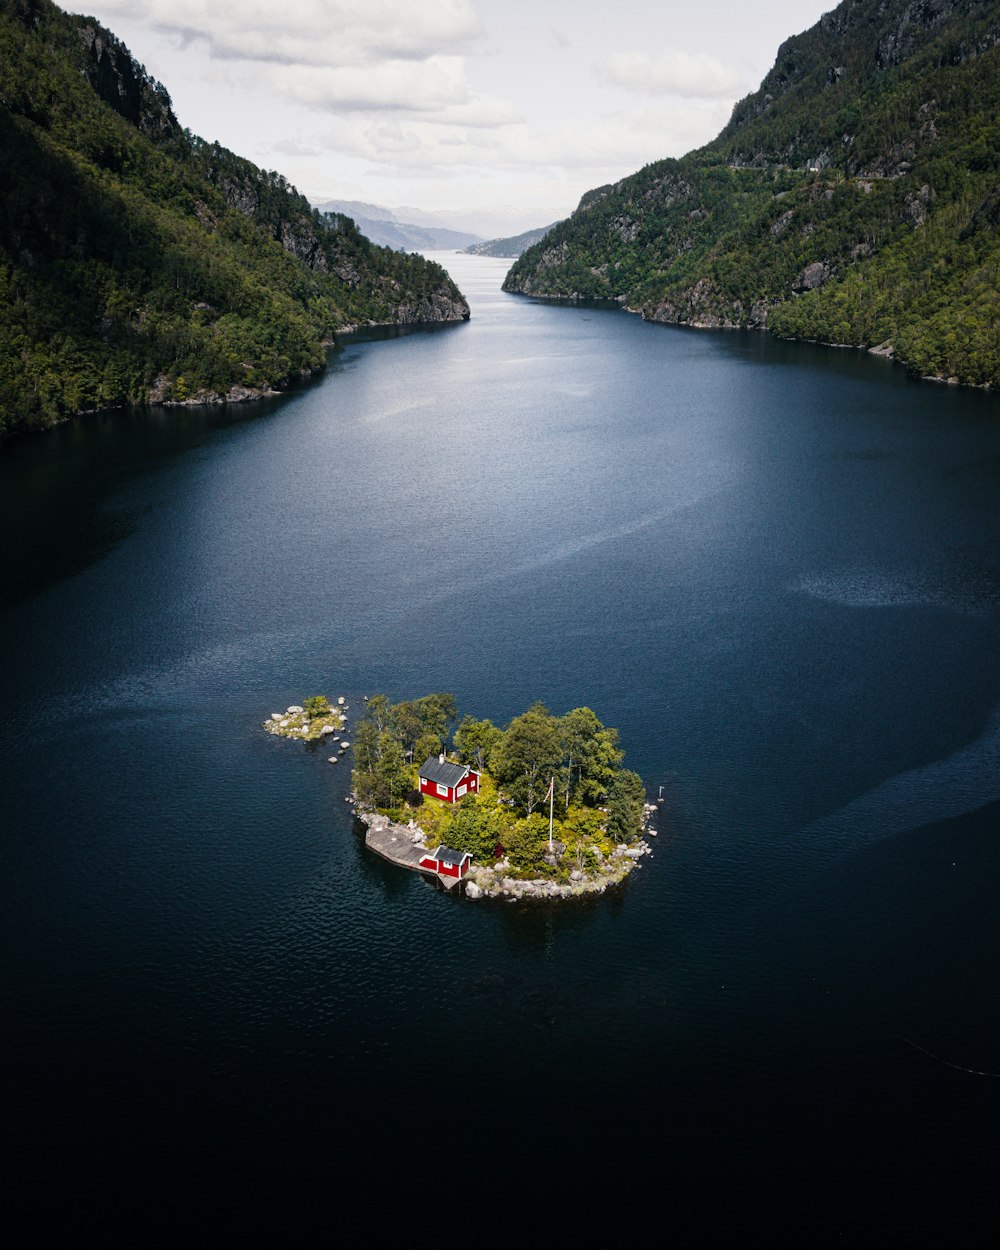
(854, 198)
(139, 263)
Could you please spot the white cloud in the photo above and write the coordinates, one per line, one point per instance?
(386, 94)
(435, 90)
(621, 142)
(294, 146)
(688, 74)
(348, 33)
(343, 55)
(603, 151)
(410, 86)
(478, 113)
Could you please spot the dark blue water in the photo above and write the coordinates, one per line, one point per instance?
(774, 567)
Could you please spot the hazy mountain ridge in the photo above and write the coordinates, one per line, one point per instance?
(383, 227)
(139, 263)
(851, 199)
(488, 221)
(510, 247)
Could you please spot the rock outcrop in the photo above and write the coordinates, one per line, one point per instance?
(497, 881)
(314, 726)
(124, 85)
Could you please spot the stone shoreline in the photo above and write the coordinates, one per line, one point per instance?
(495, 881)
(329, 727)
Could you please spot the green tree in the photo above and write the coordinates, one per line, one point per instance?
(477, 827)
(591, 754)
(418, 720)
(427, 744)
(526, 841)
(476, 740)
(379, 712)
(316, 705)
(381, 773)
(625, 807)
(528, 754)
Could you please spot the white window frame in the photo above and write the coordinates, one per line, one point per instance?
(442, 790)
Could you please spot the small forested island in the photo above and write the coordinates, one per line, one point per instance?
(542, 808)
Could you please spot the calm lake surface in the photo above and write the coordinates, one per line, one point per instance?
(774, 567)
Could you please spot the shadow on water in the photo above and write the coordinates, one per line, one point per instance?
(57, 487)
(391, 880)
(595, 305)
(386, 334)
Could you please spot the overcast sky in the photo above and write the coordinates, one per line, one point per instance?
(457, 103)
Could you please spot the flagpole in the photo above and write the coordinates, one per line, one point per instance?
(552, 795)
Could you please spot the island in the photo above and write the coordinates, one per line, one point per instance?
(312, 721)
(540, 809)
(543, 808)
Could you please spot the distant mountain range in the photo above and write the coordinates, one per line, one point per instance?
(512, 247)
(451, 229)
(853, 199)
(490, 221)
(384, 227)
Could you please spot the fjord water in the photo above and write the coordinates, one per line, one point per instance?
(773, 567)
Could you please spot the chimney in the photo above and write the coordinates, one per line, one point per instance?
(441, 758)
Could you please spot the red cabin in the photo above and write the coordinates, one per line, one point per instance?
(446, 862)
(445, 781)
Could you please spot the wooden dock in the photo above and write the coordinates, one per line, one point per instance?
(393, 842)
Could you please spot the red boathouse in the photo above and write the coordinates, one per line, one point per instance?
(448, 782)
(446, 862)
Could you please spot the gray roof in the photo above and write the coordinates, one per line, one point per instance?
(445, 855)
(444, 774)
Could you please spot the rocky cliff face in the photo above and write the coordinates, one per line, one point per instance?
(325, 243)
(124, 85)
(435, 306)
(849, 51)
(704, 306)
